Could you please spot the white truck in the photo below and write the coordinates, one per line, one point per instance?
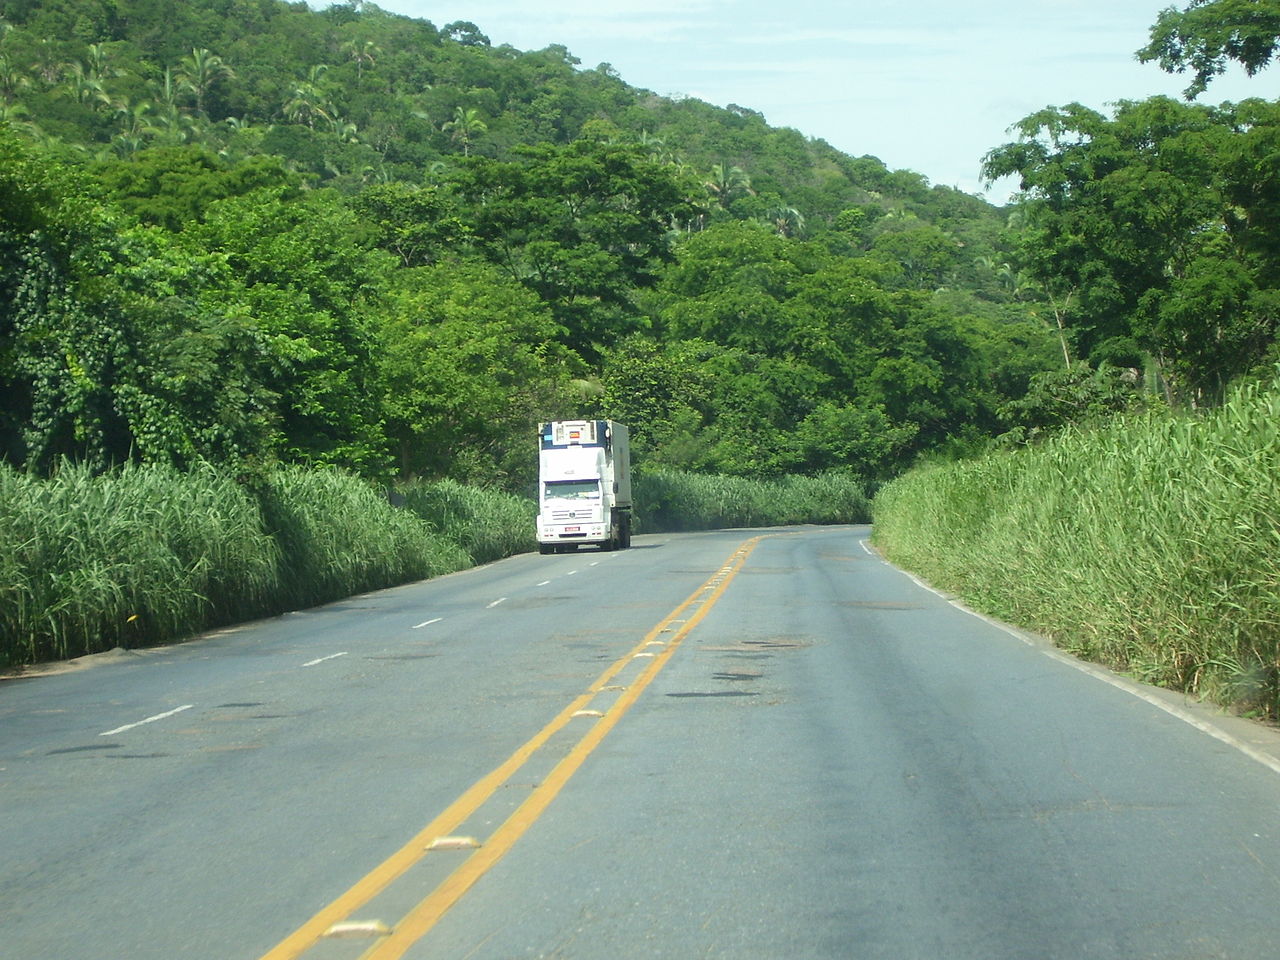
(584, 485)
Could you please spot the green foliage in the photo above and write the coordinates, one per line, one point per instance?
(1143, 233)
(106, 352)
(1206, 34)
(172, 186)
(488, 524)
(141, 556)
(1075, 396)
(500, 237)
(1148, 543)
(583, 226)
(468, 359)
(674, 500)
(147, 555)
(295, 266)
(339, 536)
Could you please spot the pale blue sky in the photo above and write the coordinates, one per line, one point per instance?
(929, 86)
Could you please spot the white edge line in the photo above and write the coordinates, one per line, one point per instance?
(312, 663)
(425, 623)
(1100, 673)
(158, 716)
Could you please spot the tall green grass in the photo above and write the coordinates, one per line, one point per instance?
(89, 563)
(339, 536)
(487, 524)
(669, 500)
(1150, 544)
(147, 555)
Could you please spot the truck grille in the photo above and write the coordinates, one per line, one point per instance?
(559, 516)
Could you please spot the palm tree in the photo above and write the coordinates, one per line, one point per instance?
(10, 112)
(199, 72)
(12, 80)
(727, 183)
(170, 122)
(134, 119)
(787, 221)
(47, 66)
(84, 85)
(344, 131)
(308, 103)
(652, 145)
(465, 125)
(363, 53)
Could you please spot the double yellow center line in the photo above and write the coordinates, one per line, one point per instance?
(667, 635)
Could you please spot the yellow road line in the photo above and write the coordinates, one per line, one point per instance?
(429, 911)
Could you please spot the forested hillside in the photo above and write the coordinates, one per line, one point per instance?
(249, 232)
(260, 233)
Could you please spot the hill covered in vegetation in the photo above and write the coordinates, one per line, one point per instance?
(253, 232)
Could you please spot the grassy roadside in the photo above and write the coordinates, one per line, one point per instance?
(669, 500)
(147, 555)
(1152, 545)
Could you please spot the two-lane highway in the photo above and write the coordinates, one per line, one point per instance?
(743, 743)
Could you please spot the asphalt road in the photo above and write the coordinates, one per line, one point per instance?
(749, 744)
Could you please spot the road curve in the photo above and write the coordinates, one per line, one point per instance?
(733, 744)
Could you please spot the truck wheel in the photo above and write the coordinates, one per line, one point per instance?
(546, 548)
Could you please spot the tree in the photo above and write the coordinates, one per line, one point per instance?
(1205, 35)
(465, 33)
(12, 80)
(364, 53)
(585, 226)
(169, 121)
(465, 357)
(200, 72)
(465, 126)
(308, 102)
(1118, 214)
(927, 254)
(417, 224)
(172, 187)
(296, 266)
(108, 351)
(726, 183)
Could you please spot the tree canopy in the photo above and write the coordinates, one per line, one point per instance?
(257, 232)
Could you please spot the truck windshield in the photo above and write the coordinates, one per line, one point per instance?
(571, 490)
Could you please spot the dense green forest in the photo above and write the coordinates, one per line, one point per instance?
(259, 233)
(250, 233)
